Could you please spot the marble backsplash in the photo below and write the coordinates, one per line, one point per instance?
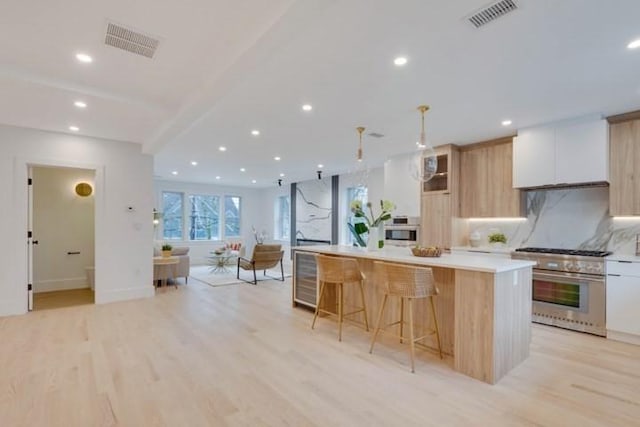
(313, 209)
(565, 218)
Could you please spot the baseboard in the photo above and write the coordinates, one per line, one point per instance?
(60, 284)
(624, 337)
(113, 295)
(13, 307)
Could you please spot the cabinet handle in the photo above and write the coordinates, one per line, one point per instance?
(614, 275)
(626, 262)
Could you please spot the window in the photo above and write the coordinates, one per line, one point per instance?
(354, 193)
(172, 215)
(282, 218)
(231, 216)
(204, 217)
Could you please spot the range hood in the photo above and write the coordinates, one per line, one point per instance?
(567, 186)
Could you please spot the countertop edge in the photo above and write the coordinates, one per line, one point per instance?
(460, 262)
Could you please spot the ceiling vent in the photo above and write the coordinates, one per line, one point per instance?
(131, 41)
(492, 12)
(375, 135)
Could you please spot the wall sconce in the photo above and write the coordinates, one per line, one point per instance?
(156, 217)
(319, 174)
(84, 189)
(279, 183)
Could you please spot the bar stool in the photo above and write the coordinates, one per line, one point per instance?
(339, 271)
(410, 283)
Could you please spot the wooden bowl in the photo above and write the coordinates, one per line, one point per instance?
(427, 252)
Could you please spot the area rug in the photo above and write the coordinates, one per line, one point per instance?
(206, 275)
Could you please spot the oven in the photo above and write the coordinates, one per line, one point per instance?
(568, 288)
(570, 300)
(402, 231)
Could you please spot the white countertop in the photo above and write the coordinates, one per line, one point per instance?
(485, 249)
(457, 261)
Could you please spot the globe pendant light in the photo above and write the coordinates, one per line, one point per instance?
(428, 163)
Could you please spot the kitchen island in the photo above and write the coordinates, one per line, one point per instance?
(483, 309)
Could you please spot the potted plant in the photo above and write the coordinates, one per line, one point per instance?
(497, 239)
(166, 250)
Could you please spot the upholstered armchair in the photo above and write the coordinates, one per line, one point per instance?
(263, 258)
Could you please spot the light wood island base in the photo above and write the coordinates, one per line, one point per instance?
(484, 317)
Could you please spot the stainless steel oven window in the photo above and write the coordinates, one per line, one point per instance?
(399, 234)
(567, 290)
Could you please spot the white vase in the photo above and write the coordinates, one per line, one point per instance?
(372, 240)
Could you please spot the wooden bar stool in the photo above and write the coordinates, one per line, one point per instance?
(410, 283)
(339, 271)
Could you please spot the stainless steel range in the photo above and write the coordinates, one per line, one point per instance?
(568, 288)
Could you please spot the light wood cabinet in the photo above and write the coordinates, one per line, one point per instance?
(624, 178)
(486, 185)
(440, 200)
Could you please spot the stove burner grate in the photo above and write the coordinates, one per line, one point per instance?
(576, 252)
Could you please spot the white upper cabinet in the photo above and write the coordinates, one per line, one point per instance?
(582, 152)
(573, 152)
(534, 157)
(400, 187)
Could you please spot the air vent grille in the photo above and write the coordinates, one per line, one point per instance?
(375, 135)
(131, 41)
(491, 12)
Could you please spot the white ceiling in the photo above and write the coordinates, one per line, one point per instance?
(224, 68)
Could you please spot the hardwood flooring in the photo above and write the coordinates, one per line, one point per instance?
(59, 299)
(242, 356)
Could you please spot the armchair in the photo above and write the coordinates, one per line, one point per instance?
(263, 257)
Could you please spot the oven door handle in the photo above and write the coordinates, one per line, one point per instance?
(564, 276)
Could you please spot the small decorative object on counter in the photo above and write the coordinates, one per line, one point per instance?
(475, 239)
(431, 251)
(497, 239)
(166, 250)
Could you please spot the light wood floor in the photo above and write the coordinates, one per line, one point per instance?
(59, 299)
(241, 355)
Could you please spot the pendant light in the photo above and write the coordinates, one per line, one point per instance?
(360, 171)
(426, 162)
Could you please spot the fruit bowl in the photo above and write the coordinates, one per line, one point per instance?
(432, 251)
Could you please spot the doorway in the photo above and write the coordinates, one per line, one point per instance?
(62, 250)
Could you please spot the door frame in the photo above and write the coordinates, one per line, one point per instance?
(22, 167)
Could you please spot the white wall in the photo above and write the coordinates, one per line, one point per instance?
(62, 222)
(266, 219)
(123, 239)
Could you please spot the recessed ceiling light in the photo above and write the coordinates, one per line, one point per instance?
(281, 175)
(217, 177)
(276, 158)
(194, 163)
(506, 122)
(83, 57)
(80, 104)
(400, 61)
(242, 169)
(320, 166)
(174, 173)
(634, 44)
(255, 132)
(74, 128)
(307, 107)
(222, 148)
(253, 181)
